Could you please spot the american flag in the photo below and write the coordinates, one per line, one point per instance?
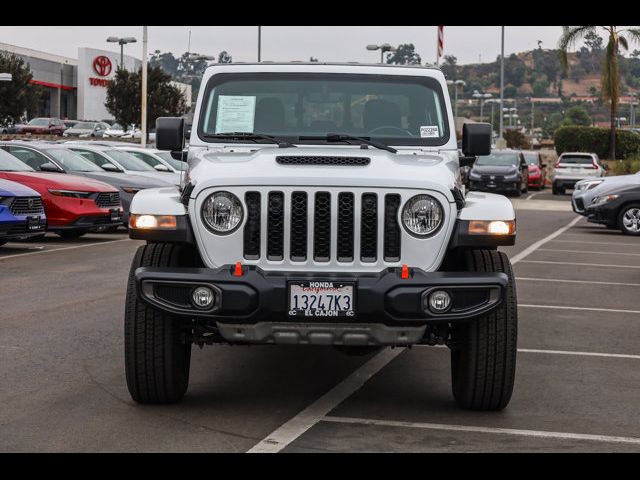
(440, 43)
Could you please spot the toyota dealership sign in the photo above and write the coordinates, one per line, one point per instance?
(96, 68)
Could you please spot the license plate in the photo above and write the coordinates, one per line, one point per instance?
(321, 299)
(33, 223)
(575, 170)
(115, 215)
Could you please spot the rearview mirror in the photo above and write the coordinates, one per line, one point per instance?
(170, 134)
(49, 167)
(476, 139)
(110, 167)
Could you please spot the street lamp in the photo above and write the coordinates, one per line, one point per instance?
(122, 42)
(456, 84)
(482, 97)
(6, 77)
(385, 47)
(501, 134)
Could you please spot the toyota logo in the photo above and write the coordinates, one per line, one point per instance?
(102, 66)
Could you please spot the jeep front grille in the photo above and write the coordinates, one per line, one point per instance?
(21, 206)
(328, 242)
(324, 161)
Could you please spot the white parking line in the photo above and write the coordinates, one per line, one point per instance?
(580, 264)
(64, 248)
(311, 415)
(580, 354)
(583, 309)
(303, 421)
(493, 430)
(584, 282)
(532, 195)
(598, 243)
(587, 252)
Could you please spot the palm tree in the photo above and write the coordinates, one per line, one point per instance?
(610, 75)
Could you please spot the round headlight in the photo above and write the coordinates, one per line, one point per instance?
(222, 212)
(422, 215)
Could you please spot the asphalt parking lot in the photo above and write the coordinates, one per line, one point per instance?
(62, 385)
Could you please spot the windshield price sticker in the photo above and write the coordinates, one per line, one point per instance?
(430, 132)
(236, 114)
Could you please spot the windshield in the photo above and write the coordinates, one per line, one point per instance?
(84, 126)
(531, 158)
(115, 126)
(72, 161)
(129, 162)
(39, 122)
(576, 159)
(390, 109)
(499, 159)
(177, 164)
(8, 163)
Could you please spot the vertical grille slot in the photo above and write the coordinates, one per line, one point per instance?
(392, 239)
(346, 203)
(369, 228)
(299, 229)
(322, 228)
(252, 228)
(275, 227)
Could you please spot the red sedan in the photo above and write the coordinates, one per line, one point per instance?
(44, 126)
(74, 205)
(537, 170)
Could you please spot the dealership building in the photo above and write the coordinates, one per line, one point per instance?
(76, 88)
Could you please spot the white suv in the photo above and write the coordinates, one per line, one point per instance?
(323, 205)
(573, 167)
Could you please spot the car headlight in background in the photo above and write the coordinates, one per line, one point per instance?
(604, 199)
(422, 215)
(69, 193)
(222, 212)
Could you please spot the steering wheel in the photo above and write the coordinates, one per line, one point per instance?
(402, 131)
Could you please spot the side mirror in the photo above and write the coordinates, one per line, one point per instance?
(180, 155)
(170, 134)
(162, 168)
(49, 167)
(110, 167)
(476, 139)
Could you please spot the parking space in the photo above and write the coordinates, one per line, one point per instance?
(62, 368)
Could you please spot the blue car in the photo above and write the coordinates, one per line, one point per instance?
(21, 212)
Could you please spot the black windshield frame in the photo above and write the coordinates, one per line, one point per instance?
(426, 81)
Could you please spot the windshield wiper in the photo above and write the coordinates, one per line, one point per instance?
(249, 136)
(339, 137)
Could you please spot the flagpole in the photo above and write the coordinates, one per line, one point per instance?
(440, 44)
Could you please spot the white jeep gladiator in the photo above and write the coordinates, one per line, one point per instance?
(322, 205)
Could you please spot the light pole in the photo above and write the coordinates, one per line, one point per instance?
(456, 84)
(482, 97)
(122, 42)
(259, 43)
(632, 117)
(143, 140)
(385, 47)
(501, 134)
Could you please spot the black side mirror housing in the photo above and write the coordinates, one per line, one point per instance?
(170, 134)
(110, 167)
(467, 161)
(180, 155)
(49, 167)
(476, 139)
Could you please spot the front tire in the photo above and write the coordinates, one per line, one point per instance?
(157, 354)
(629, 219)
(483, 354)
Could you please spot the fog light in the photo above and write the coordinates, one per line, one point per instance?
(203, 297)
(439, 301)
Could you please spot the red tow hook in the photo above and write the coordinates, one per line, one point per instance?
(405, 273)
(237, 272)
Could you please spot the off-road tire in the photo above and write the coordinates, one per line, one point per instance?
(157, 354)
(483, 353)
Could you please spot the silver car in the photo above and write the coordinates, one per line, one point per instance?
(588, 189)
(87, 130)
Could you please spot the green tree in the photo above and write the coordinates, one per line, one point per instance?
(224, 57)
(577, 116)
(450, 67)
(610, 74)
(18, 96)
(124, 97)
(510, 91)
(405, 54)
(551, 124)
(540, 88)
(166, 61)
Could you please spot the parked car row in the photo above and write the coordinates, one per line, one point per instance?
(573, 167)
(507, 171)
(80, 186)
(75, 128)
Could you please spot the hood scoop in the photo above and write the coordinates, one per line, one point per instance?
(324, 161)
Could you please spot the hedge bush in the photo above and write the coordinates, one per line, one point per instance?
(596, 140)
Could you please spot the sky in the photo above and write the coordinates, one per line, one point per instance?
(286, 43)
